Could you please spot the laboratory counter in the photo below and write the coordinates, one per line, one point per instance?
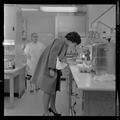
(10, 75)
(90, 95)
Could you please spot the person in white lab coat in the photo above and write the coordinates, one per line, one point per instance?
(33, 51)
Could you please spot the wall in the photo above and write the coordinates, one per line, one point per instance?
(72, 23)
(67, 22)
(108, 18)
(96, 10)
(40, 22)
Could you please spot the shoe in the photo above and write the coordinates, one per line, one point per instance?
(55, 114)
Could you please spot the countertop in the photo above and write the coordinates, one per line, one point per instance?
(14, 70)
(85, 81)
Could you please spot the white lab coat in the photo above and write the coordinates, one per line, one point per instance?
(33, 51)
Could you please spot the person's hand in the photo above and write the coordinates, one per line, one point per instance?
(52, 73)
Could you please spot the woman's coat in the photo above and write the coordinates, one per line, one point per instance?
(46, 61)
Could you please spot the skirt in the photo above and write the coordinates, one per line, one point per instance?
(59, 74)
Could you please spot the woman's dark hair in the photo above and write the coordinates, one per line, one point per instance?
(73, 37)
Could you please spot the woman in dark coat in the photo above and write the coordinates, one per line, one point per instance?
(46, 76)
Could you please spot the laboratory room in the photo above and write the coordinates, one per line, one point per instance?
(59, 60)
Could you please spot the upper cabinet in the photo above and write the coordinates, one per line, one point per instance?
(67, 22)
(72, 23)
(9, 22)
(14, 37)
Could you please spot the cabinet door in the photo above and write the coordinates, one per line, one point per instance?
(67, 23)
(111, 58)
(101, 50)
(99, 103)
(9, 22)
(77, 100)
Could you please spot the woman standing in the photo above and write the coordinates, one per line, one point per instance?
(46, 76)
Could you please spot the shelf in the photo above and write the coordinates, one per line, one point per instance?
(5, 44)
(9, 54)
(8, 42)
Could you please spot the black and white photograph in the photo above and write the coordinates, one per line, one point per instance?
(60, 60)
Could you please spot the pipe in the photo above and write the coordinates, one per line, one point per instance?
(101, 15)
(104, 24)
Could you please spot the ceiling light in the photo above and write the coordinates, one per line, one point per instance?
(59, 9)
(29, 9)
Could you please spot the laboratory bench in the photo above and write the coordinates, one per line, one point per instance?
(89, 96)
(16, 82)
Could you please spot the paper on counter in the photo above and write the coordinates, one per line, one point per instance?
(105, 77)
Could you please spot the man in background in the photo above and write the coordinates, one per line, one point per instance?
(33, 51)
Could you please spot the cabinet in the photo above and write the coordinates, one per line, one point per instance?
(104, 58)
(75, 97)
(14, 25)
(10, 22)
(9, 64)
(14, 81)
(90, 102)
(13, 53)
(9, 54)
(97, 98)
(77, 100)
(99, 103)
(68, 23)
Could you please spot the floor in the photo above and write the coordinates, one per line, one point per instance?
(30, 104)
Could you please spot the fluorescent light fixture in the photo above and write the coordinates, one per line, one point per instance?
(59, 9)
(29, 9)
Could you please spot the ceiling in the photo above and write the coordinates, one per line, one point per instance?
(37, 6)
